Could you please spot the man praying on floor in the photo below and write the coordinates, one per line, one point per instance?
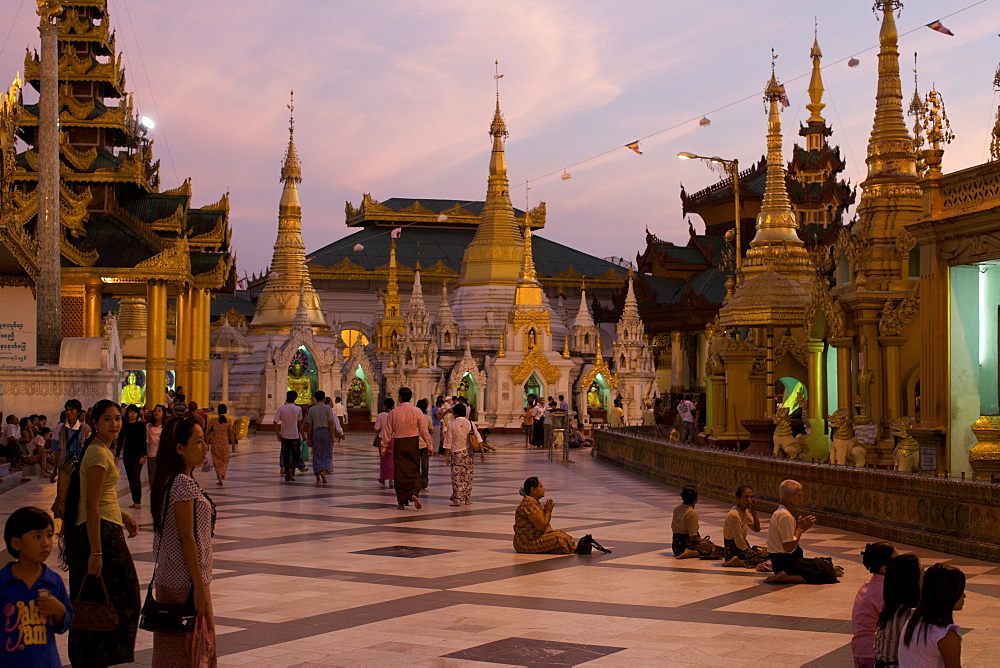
(741, 517)
(783, 536)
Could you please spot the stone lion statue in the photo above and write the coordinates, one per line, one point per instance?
(793, 446)
(843, 442)
(907, 451)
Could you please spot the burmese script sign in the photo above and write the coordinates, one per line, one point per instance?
(17, 328)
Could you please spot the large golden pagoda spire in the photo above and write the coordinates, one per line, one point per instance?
(277, 303)
(890, 196)
(890, 148)
(494, 256)
(776, 246)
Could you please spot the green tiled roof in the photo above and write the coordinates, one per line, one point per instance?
(117, 244)
(709, 284)
(448, 246)
(151, 207)
(201, 221)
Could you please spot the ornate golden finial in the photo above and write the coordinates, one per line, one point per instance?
(498, 128)
(995, 141)
(501, 352)
(48, 10)
(291, 170)
(565, 350)
(816, 105)
(918, 109)
(937, 127)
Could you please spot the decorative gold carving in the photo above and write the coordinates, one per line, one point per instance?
(142, 229)
(788, 344)
(832, 309)
(600, 367)
(538, 319)
(73, 209)
(905, 242)
(535, 359)
(77, 256)
(971, 190)
(984, 456)
(848, 245)
(895, 316)
(175, 260)
(48, 10)
(183, 189)
(966, 250)
(221, 205)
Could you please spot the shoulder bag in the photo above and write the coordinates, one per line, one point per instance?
(168, 617)
(90, 616)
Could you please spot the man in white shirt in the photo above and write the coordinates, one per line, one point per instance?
(742, 517)
(288, 419)
(686, 409)
(341, 410)
(783, 535)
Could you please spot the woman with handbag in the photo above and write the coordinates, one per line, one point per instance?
(94, 551)
(221, 437)
(460, 441)
(183, 525)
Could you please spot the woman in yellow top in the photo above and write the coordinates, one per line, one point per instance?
(92, 542)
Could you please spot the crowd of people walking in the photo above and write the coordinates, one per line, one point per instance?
(902, 614)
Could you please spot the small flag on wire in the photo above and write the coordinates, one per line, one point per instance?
(566, 176)
(442, 218)
(308, 260)
(634, 146)
(241, 284)
(937, 25)
(853, 62)
(395, 233)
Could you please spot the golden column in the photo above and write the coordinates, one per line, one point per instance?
(182, 340)
(845, 384)
(819, 445)
(205, 335)
(893, 380)
(92, 307)
(199, 348)
(156, 342)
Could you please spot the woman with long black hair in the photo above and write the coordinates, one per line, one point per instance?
(931, 637)
(183, 525)
(92, 540)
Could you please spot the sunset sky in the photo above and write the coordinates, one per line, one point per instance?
(395, 97)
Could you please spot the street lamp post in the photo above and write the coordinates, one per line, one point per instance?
(733, 167)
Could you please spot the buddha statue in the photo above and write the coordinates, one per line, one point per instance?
(300, 383)
(132, 393)
(357, 394)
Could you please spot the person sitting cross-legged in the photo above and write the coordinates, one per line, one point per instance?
(783, 535)
(687, 543)
(741, 517)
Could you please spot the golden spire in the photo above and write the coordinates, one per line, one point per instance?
(392, 317)
(289, 272)
(816, 105)
(890, 151)
(776, 245)
(494, 256)
(529, 290)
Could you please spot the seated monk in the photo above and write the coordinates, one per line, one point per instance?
(741, 517)
(532, 532)
(687, 543)
(783, 536)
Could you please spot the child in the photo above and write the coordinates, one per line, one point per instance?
(34, 603)
(38, 450)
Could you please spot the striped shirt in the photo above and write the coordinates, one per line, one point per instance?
(887, 637)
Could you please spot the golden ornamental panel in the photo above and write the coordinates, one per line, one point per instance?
(538, 319)
(535, 360)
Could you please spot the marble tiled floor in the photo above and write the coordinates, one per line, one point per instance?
(297, 582)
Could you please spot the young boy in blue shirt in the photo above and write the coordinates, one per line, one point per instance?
(34, 604)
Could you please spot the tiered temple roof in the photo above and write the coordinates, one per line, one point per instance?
(114, 219)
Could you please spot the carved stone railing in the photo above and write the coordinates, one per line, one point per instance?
(953, 516)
